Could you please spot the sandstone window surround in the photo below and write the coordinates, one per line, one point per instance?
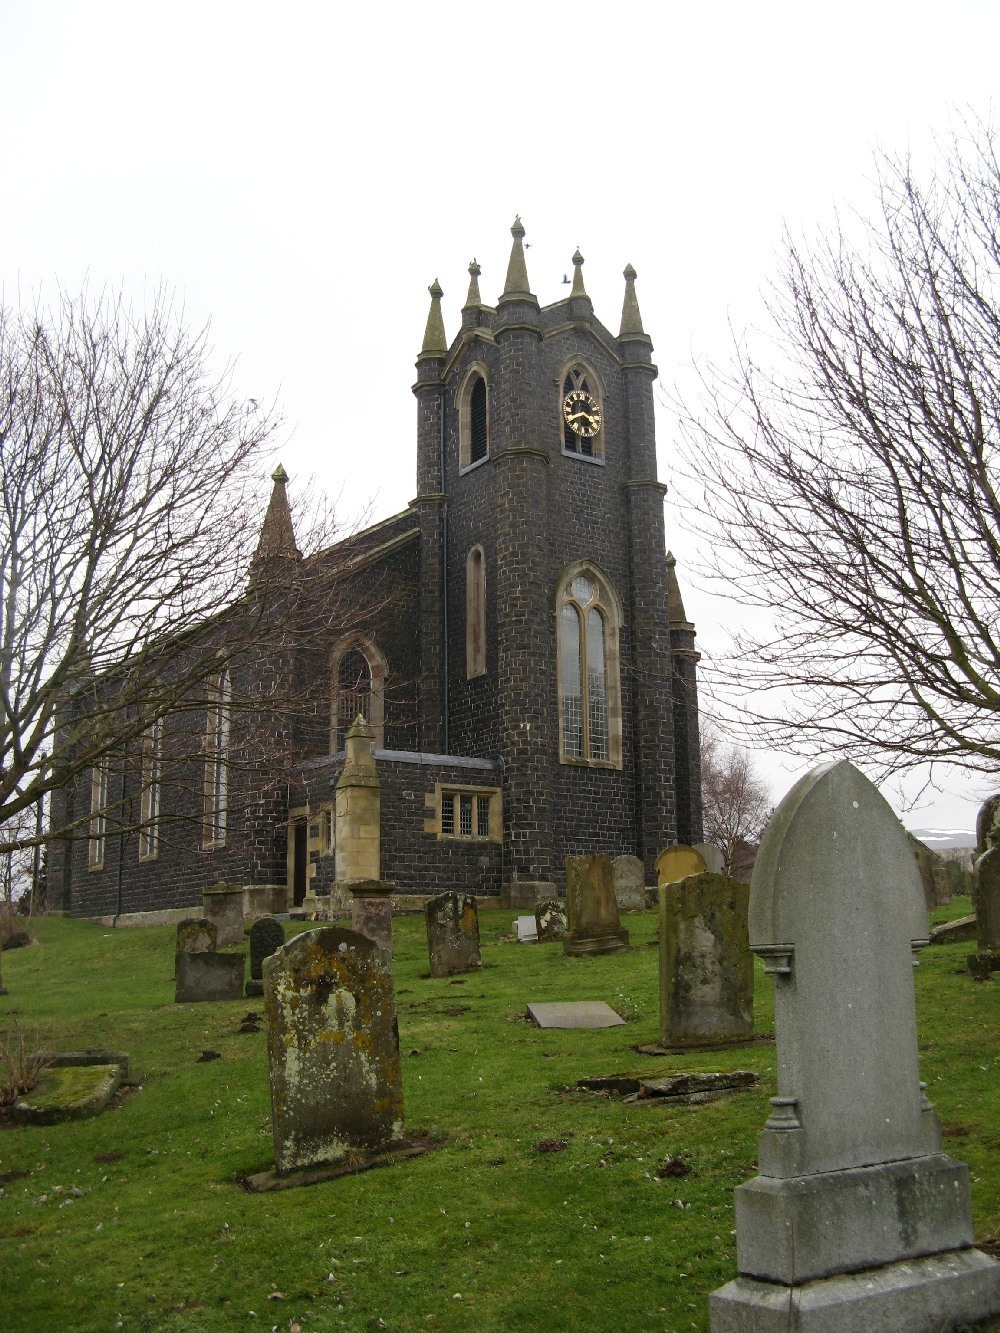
(358, 672)
(579, 375)
(217, 728)
(98, 814)
(149, 802)
(475, 613)
(589, 619)
(474, 418)
(467, 814)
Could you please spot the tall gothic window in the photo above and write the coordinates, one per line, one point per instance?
(358, 670)
(589, 689)
(217, 760)
(98, 814)
(149, 804)
(580, 407)
(474, 419)
(475, 613)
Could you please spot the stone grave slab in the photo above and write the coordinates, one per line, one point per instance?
(333, 1048)
(205, 977)
(453, 934)
(68, 1092)
(574, 1014)
(526, 929)
(854, 1195)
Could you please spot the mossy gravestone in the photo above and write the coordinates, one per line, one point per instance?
(333, 1048)
(857, 1220)
(453, 934)
(593, 924)
(706, 968)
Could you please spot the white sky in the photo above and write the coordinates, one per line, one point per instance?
(300, 173)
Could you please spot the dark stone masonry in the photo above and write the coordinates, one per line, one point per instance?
(516, 640)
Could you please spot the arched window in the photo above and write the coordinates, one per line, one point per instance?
(475, 613)
(474, 418)
(589, 618)
(581, 413)
(217, 760)
(358, 671)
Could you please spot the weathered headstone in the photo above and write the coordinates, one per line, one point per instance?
(927, 861)
(593, 924)
(857, 1220)
(526, 930)
(678, 862)
(550, 920)
(706, 968)
(453, 934)
(985, 820)
(986, 959)
(333, 1048)
(196, 934)
(223, 905)
(266, 936)
(714, 857)
(630, 883)
(208, 976)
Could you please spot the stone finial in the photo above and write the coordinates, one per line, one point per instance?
(517, 269)
(473, 299)
(277, 534)
(578, 288)
(358, 744)
(631, 318)
(435, 342)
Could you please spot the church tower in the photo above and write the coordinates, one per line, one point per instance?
(547, 638)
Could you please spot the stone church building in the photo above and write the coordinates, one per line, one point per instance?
(515, 638)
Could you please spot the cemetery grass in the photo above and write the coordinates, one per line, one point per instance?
(540, 1207)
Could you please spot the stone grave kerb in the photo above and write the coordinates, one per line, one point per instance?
(836, 913)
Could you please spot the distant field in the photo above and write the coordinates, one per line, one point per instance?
(542, 1209)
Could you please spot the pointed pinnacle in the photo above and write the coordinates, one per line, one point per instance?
(473, 298)
(675, 604)
(435, 342)
(517, 269)
(279, 475)
(277, 533)
(578, 287)
(631, 319)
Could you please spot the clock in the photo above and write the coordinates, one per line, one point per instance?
(582, 412)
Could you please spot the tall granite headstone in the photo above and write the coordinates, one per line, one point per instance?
(706, 968)
(453, 934)
(593, 924)
(333, 1048)
(266, 936)
(630, 883)
(857, 1220)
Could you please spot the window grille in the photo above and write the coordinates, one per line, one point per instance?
(478, 427)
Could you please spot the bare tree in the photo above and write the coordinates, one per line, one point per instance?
(131, 510)
(846, 479)
(736, 802)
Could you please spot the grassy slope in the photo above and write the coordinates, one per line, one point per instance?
(485, 1232)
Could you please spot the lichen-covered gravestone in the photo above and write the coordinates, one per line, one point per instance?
(593, 925)
(333, 1048)
(706, 968)
(196, 934)
(266, 936)
(550, 920)
(677, 862)
(453, 934)
(857, 1220)
(630, 883)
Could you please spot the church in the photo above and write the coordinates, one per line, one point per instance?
(515, 639)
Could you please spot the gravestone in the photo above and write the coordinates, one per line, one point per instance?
(986, 959)
(927, 861)
(208, 976)
(453, 934)
(526, 930)
(266, 936)
(988, 812)
(706, 968)
(550, 920)
(677, 863)
(574, 1014)
(593, 924)
(630, 883)
(196, 934)
(333, 1048)
(223, 905)
(857, 1220)
(713, 857)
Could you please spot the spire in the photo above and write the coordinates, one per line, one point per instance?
(435, 342)
(277, 536)
(631, 319)
(578, 288)
(517, 270)
(675, 604)
(473, 299)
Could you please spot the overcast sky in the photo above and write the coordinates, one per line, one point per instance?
(300, 173)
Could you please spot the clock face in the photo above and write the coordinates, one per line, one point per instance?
(582, 412)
